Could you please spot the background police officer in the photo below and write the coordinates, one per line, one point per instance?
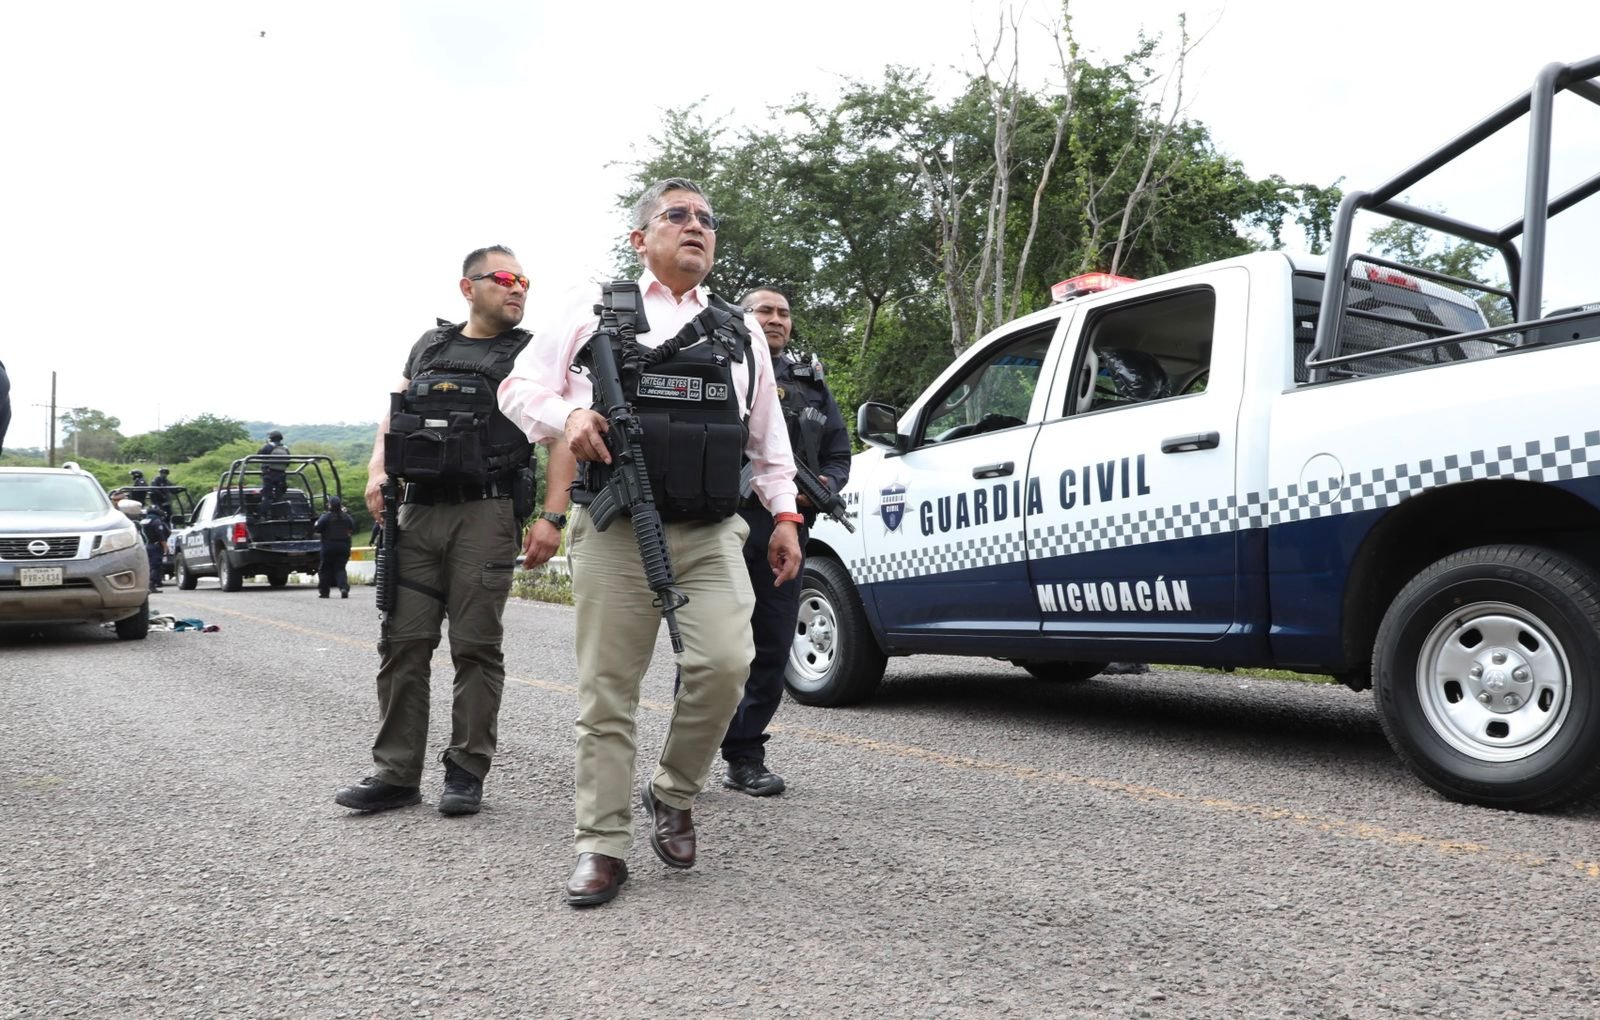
(274, 480)
(817, 435)
(161, 493)
(335, 527)
(154, 529)
(457, 540)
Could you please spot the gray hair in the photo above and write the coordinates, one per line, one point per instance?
(652, 195)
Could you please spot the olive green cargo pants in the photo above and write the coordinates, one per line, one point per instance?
(616, 634)
(462, 554)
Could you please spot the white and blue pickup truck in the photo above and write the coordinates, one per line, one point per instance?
(1212, 468)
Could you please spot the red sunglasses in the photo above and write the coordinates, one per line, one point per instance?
(503, 278)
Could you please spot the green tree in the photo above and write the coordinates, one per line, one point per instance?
(90, 433)
(192, 437)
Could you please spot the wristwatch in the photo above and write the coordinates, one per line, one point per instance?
(559, 520)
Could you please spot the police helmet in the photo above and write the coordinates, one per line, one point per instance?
(1128, 377)
(335, 503)
(275, 436)
(136, 475)
(163, 471)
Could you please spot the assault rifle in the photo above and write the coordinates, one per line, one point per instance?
(812, 487)
(386, 537)
(627, 485)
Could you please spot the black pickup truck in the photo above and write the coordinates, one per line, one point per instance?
(235, 533)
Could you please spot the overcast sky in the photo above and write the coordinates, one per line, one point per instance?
(253, 208)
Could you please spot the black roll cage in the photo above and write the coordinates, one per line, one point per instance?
(1525, 269)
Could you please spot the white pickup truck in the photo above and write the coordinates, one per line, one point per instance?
(1211, 468)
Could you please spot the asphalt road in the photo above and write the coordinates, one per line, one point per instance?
(973, 843)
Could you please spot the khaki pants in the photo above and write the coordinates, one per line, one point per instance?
(462, 555)
(617, 628)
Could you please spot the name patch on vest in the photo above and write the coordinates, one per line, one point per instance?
(669, 387)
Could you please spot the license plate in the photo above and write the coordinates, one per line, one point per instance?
(40, 577)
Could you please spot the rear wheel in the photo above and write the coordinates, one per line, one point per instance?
(186, 580)
(834, 660)
(1485, 670)
(137, 626)
(227, 573)
(1061, 672)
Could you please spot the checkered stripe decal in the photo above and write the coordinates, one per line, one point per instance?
(966, 554)
(1561, 458)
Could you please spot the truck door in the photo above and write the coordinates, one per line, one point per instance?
(194, 545)
(1135, 537)
(943, 521)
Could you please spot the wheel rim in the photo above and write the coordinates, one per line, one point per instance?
(815, 646)
(1494, 682)
(180, 570)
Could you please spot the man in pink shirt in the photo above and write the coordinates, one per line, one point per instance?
(711, 400)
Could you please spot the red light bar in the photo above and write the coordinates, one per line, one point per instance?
(1088, 283)
(1377, 274)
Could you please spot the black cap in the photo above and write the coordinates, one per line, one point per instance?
(163, 471)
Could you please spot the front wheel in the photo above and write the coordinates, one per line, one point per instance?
(834, 660)
(1485, 671)
(135, 627)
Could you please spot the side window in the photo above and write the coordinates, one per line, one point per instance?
(1149, 350)
(995, 392)
(203, 511)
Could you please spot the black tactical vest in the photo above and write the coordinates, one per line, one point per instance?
(683, 392)
(446, 428)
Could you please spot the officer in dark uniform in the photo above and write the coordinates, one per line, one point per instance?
(460, 463)
(274, 480)
(137, 489)
(335, 527)
(818, 437)
(161, 494)
(155, 531)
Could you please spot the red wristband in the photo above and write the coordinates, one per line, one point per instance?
(789, 517)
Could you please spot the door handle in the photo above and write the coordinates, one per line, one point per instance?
(1191, 443)
(999, 470)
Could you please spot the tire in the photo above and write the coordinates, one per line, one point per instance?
(186, 580)
(227, 573)
(1485, 671)
(278, 578)
(1062, 672)
(135, 627)
(834, 660)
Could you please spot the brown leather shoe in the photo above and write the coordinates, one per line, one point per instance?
(596, 880)
(671, 830)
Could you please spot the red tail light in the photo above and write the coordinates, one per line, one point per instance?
(241, 534)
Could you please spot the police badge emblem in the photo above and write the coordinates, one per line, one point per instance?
(892, 505)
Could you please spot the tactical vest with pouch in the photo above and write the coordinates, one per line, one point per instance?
(446, 429)
(684, 395)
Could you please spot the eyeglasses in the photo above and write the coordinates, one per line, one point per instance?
(503, 278)
(678, 215)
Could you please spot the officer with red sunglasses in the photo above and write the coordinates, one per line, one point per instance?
(466, 480)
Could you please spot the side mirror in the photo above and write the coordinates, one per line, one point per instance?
(876, 425)
(131, 509)
(180, 520)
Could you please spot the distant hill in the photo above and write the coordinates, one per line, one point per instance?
(354, 442)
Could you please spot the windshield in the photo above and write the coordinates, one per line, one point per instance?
(57, 493)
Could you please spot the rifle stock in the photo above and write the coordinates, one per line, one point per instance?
(627, 488)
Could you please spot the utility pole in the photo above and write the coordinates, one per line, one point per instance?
(52, 458)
